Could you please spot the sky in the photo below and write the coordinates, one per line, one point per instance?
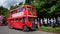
(8, 3)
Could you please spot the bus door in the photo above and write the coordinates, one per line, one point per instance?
(32, 22)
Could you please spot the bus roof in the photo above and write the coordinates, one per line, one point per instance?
(22, 7)
(26, 6)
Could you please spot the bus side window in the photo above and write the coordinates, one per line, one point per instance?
(15, 11)
(11, 20)
(24, 8)
(21, 9)
(18, 10)
(11, 14)
(16, 20)
(20, 19)
(26, 19)
(23, 20)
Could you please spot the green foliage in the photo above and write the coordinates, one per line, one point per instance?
(50, 29)
(28, 1)
(52, 9)
(4, 11)
(12, 7)
(46, 8)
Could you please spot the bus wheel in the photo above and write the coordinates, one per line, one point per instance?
(25, 28)
(11, 27)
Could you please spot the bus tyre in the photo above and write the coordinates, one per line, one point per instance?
(11, 27)
(25, 28)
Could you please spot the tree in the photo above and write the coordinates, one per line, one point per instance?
(47, 8)
(4, 11)
(28, 1)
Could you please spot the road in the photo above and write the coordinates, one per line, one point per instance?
(6, 30)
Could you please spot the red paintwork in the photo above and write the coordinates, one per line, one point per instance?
(26, 15)
(29, 24)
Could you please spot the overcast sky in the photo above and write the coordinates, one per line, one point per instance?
(8, 3)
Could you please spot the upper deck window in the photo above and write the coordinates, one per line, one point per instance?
(28, 8)
(31, 9)
(21, 9)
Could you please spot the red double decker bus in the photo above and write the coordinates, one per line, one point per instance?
(23, 17)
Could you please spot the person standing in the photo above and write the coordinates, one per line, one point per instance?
(4, 19)
(45, 20)
(48, 22)
(0, 19)
(52, 22)
(41, 22)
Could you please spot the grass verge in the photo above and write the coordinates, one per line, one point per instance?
(50, 29)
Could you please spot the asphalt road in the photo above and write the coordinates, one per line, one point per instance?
(6, 30)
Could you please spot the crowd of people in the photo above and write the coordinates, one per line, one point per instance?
(47, 22)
